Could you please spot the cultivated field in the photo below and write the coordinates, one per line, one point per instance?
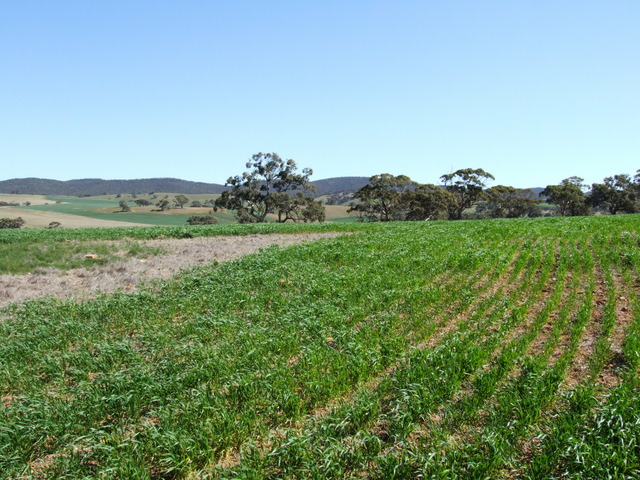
(484, 349)
(104, 211)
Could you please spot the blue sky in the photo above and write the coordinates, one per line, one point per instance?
(531, 91)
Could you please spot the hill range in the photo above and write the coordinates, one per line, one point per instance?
(95, 186)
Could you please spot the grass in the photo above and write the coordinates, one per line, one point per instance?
(24, 250)
(27, 257)
(484, 349)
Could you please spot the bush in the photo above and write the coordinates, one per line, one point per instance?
(202, 220)
(11, 222)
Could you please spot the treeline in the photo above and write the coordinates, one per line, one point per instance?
(463, 194)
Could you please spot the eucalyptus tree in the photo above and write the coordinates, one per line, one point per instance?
(164, 204)
(510, 202)
(569, 197)
(180, 201)
(382, 198)
(265, 188)
(428, 202)
(467, 185)
(617, 194)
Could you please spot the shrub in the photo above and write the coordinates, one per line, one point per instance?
(11, 222)
(202, 220)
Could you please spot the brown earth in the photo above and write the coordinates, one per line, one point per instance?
(41, 219)
(129, 274)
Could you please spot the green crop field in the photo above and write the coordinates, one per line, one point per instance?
(445, 350)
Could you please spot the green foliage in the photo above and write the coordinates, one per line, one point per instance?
(264, 189)
(299, 207)
(27, 256)
(467, 186)
(616, 194)
(389, 197)
(163, 205)
(428, 202)
(124, 206)
(381, 199)
(180, 201)
(202, 220)
(569, 196)
(11, 222)
(508, 202)
(312, 210)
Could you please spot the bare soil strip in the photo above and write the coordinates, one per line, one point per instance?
(610, 376)
(129, 274)
(42, 219)
(586, 349)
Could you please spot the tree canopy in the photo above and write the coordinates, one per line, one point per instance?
(467, 186)
(180, 201)
(617, 194)
(569, 197)
(267, 187)
(428, 202)
(382, 198)
(508, 202)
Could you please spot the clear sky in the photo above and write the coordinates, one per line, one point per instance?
(532, 91)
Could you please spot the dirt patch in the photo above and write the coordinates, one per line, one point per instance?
(22, 199)
(180, 254)
(42, 219)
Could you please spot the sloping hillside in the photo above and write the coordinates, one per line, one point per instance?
(329, 186)
(97, 186)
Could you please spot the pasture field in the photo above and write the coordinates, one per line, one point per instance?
(77, 212)
(446, 350)
(108, 211)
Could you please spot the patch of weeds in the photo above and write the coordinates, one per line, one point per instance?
(25, 257)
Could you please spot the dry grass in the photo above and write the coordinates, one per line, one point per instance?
(40, 219)
(129, 274)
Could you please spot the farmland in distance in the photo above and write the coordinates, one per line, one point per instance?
(479, 349)
(104, 210)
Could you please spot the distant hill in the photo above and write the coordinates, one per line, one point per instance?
(330, 186)
(97, 186)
